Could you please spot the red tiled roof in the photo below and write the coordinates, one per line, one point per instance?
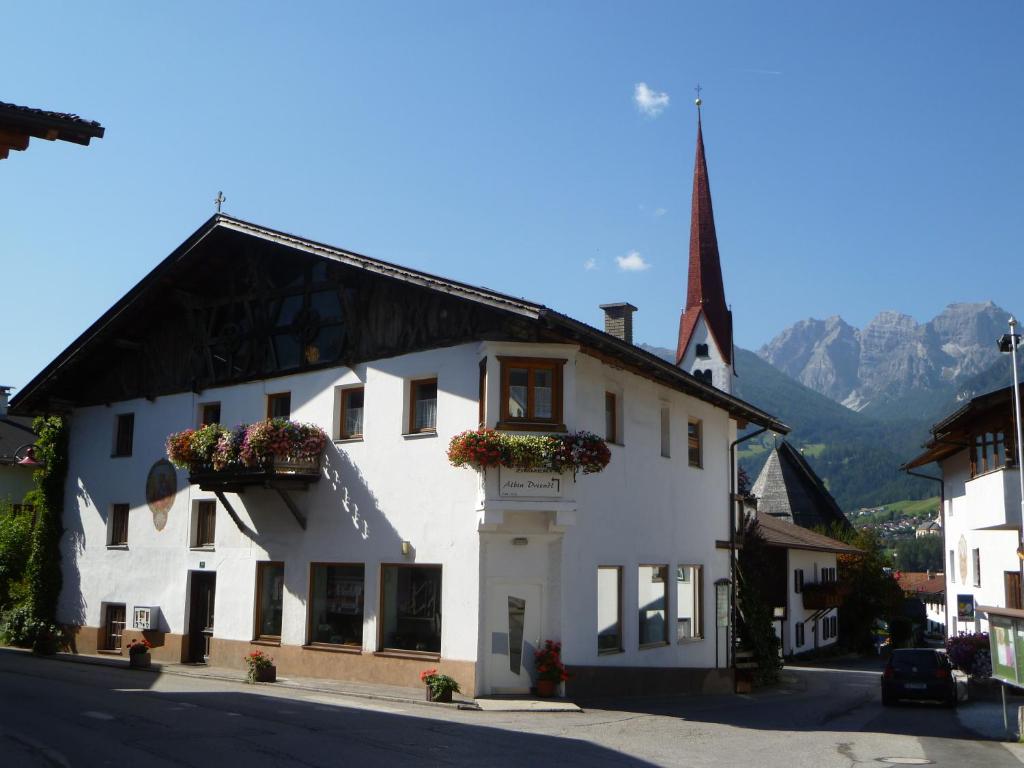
(781, 533)
(704, 289)
(913, 581)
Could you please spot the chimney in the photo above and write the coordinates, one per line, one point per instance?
(4, 393)
(618, 320)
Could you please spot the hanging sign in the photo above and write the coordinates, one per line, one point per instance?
(516, 484)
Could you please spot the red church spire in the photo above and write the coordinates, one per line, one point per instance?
(704, 290)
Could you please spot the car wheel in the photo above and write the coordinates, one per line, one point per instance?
(887, 699)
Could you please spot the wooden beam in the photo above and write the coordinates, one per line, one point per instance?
(14, 139)
(296, 512)
(234, 515)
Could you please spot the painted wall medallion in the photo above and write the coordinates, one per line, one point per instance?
(161, 485)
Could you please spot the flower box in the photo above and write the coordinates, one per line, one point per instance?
(574, 452)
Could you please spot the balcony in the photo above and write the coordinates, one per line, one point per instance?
(824, 595)
(275, 472)
(992, 500)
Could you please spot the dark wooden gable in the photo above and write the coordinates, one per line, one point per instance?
(237, 308)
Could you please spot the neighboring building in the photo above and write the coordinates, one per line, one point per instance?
(19, 125)
(391, 560)
(980, 509)
(929, 588)
(15, 436)
(788, 489)
(929, 528)
(804, 591)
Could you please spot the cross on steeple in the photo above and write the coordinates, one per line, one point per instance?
(698, 101)
(220, 199)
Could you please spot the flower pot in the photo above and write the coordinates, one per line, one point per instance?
(140, 660)
(546, 688)
(445, 696)
(265, 675)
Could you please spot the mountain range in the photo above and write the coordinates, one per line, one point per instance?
(860, 402)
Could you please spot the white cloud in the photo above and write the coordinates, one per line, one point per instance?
(590, 264)
(651, 103)
(660, 211)
(632, 262)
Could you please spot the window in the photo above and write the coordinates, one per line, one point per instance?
(702, 350)
(482, 394)
(826, 628)
(410, 599)
(209, 413)
(279, 405)
(336, 604)
(976, 558)
(423, 406)
(652, 598)
(531, 393)
(666, 425)
(269, 600)
(689, 621)
(611, 417)
(609, 609)
(693, 440)
(799, 634)
(351, 420)
(798, 580)
(990, 452)
(952, 566)
(124, 434)
(206, 523)
(834, 622)
(118, 526)
(704, 376)
(828, 574)
(113, 626)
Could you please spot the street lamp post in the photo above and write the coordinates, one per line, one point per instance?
(1008, 343)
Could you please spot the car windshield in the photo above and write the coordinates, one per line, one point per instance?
(919, 659)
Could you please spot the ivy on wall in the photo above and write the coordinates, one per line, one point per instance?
(756, 620)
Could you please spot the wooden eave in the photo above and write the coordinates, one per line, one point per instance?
(18, 125)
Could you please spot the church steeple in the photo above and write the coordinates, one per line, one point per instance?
(705, 293)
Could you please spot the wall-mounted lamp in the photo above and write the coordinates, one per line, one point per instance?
(406, 548)
(29, 459)
(520, 541)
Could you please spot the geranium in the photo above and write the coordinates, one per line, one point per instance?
(257, 661)
(251, 445)
(483, 448)
(548, 662)
(440, 685)
(179, 448)
(138, 647)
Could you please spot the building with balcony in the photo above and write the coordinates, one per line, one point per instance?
(981, 508)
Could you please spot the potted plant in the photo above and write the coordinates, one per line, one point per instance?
(439, 687)
(261, 668)
(138, 654)
(550, 669)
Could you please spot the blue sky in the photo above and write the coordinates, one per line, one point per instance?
(863, 156)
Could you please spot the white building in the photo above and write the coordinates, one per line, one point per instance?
(981, 508)
(388, 559)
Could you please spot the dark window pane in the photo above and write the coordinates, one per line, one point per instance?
(336, 612)
(425, 406)
(353, 413)
(279, 406)
(516, 623)
(211, 414)
(271, 596)
(125, 434)
(411, 607)
(518, 388)
(609, 612)
(543, 388)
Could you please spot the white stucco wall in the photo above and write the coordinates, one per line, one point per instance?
(983, 513)
(811, 563)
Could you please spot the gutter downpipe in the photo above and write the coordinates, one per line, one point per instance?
(945, 527)
(733, 517)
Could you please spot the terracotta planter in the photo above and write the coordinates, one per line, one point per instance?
(446, 696)
(546, 688)
(140, 660)
(265, 675)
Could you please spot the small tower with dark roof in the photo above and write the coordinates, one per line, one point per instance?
(705, 328)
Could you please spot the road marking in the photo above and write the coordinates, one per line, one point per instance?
(98, 715)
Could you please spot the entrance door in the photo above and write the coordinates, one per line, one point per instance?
(514, 631)
(200, 619)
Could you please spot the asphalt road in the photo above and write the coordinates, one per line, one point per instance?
(63, 714)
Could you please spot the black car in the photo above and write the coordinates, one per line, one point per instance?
(918, 673)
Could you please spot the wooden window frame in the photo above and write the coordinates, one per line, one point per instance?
(108, 626)
(612, 430)
(202, 413)
(991, 446)
(695, 443)
(530, 423)
(414, 385)
(258, 612)
(275, 397)
(117, 535)
(619, 618)
(799, 636)
(346, 647)
(665, 582)
(204, 507)
(482, 394)
(124, 449)
(698, 590)
(382, 650)
(346, 393)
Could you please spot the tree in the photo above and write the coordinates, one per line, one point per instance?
(919, 554)
(756, 627)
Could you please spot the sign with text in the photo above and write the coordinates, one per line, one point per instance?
(538, 485)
